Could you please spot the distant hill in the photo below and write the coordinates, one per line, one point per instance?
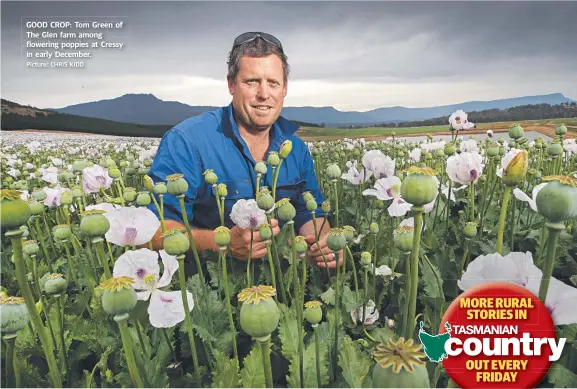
(21, 117)
(148, 109)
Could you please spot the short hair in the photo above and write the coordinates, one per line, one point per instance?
(256, 48)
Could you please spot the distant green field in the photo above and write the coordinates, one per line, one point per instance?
(328, 133)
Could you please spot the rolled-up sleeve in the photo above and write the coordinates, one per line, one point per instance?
(311, 185)
(176, 154)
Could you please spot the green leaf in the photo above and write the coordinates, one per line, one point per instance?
(209, 316)
(354, 363)
(226, 372)
(433, 283)
(329, 296)
(310, 367)
(561, 377)
(289, 332)
(574, 280)
(252, 373)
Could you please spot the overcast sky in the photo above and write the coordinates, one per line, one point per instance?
(349, 55)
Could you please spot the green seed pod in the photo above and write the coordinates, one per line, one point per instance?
(286, 148)
(55, 284)
(356, 152)
(30, 247)
(221, 236)
(374, 228)
(307, 196)
(94, 223)
(501, 150)
(379, 204)
(160, 188)
(264, 200)
(260, 167)
(221, 190)
(259, 314)
(313, 312)
(119, 296)
(312, 205)
(560, 130)
(326, 207)
(210, 177)
(114, 172)
(470, 229)
(61, 231)
(399, 365)
(516, 131)
(419, 186)
(14, 212)
(301, 245)
(557, 201)
(143, 199)
(78, 166)
(449, 149)
(285, 210)
(66, 198)
(76, 193)
(349, 233)
(439, 153)
(493, 151)
(555, 149)
(129, 194)
(273, 158)
(177, 185)
(265, 231)
(333, 171)
(336, 240)
(403, 238)
(175, 242)
(366, 258)
(123, 164)
(110, 162)
(14, 315)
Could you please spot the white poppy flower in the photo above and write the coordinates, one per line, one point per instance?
(465, 168)
(415, 155)
(131, 226)
(383, 270)
(458, 121)
(469, 146)
(520, 195)
(51, 178)
(355, 176)
(380, 164)
(166, 309)
(106, 207)
(53, 195)
(560, 300)
(445, 191)
(518, 268)
(371, 313)
(247, 214)
(389, 188)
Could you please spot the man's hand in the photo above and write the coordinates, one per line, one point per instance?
(315, 253)
(240, 241)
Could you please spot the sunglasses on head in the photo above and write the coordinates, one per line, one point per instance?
(250, 36)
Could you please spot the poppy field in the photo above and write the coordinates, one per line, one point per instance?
(86, 301)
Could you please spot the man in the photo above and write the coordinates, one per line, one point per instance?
(230, 141)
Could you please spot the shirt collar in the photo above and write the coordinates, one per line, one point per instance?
(281, 130)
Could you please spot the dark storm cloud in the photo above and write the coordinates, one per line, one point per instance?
(408, 42)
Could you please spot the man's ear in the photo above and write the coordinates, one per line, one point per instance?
(231, 85)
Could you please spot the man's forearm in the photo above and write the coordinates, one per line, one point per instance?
(203, 239)
(309, 229)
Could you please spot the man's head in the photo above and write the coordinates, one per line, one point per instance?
(257, 80)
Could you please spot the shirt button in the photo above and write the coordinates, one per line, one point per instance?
(236, 192)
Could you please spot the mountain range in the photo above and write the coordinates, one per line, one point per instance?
(147, 109)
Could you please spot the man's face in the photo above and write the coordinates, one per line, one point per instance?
(258, 92)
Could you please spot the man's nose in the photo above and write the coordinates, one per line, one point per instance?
(263, 91)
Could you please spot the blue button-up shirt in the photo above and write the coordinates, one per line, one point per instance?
(212, 141)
